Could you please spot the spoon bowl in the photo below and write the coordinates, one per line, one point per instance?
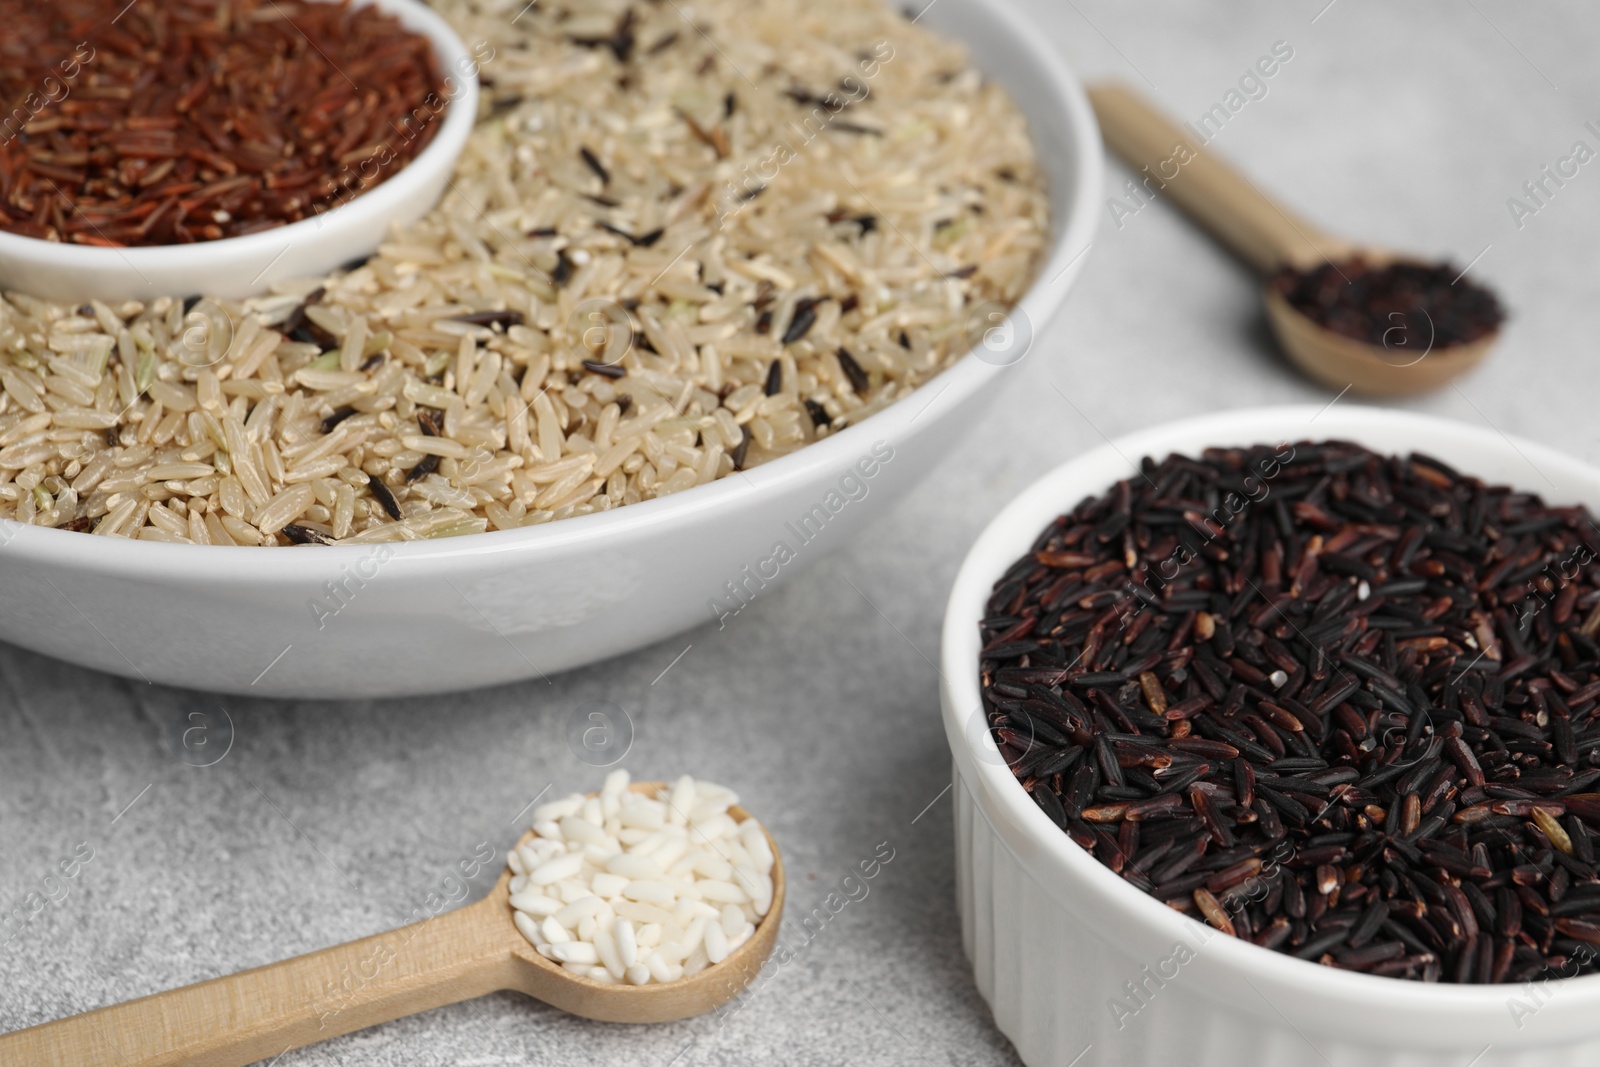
(474, 950)
(657, 1002)
(1268, 236)
(1338, 361)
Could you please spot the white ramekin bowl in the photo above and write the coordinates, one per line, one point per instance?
(420, 617)
(237, 267)
(1055, 937)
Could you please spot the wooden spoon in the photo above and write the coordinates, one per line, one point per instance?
(259, 1014)
(1268, 236)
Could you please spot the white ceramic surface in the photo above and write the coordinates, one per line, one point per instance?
(1053, 935)
(237, 267)
(493, 607)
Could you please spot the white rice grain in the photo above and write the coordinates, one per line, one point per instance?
(575, 901)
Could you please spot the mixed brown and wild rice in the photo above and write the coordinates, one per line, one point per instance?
(683, 240)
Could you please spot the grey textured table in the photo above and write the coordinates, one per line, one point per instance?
(1411, 125)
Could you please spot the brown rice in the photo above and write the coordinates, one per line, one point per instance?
(683, 239)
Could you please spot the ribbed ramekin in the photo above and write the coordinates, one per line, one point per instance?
(1082, 969)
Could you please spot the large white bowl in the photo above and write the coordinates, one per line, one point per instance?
(493, 607)
(237, 267)
(1053, 935)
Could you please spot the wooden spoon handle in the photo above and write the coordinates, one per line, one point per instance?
(257, 1014)
(1171, 162)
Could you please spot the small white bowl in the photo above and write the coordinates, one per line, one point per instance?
(429, 616)
(237, 267)
(1054, 936)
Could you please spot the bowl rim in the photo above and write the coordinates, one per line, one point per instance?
(380, 201)
(1085, 881)
(1082, 169)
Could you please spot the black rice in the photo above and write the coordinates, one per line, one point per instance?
(805, 316)
(605, 370)
(505, 317)
(852, 370)
(1398, 306)
(642, 240)
(334, 419)
(305, 535)
(385, 497)
(1339, 704)
(594, 164)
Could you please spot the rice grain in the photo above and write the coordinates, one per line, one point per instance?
(631, 289)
